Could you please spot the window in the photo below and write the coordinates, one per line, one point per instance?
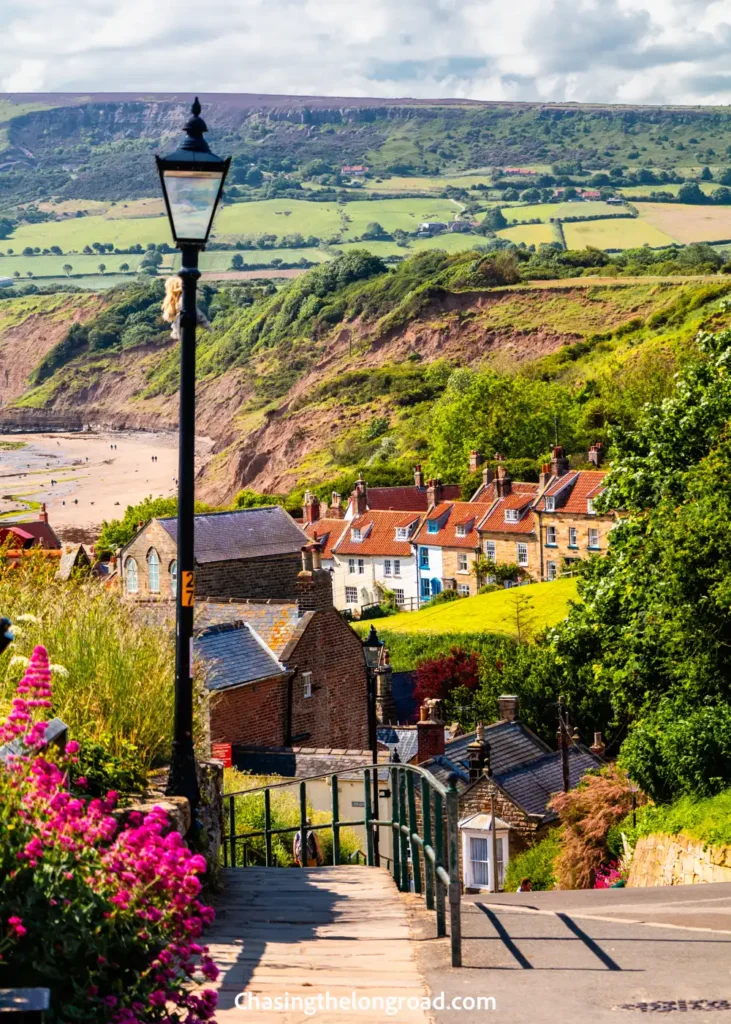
(425, 589)
(361, 566)
(550, 504)
(132, 582)
(153, 572)
(511, 515)
(480, 861)
(461, 530)
(424, 558)
(462, 563)
(522, 552)
(397, 566)
(399, 597)
(387, 567)
(402, 533)
(356, 535)
(307, 684)
(174, 578)
(594, 539)
(552, 570)
(572, 537)
(590, 507)
(490, 550)
(463, 589)
(551, 536)
(351, 565)
(432, 526)
(351, 595)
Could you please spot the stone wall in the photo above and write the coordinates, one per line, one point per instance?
(274, 576)
(506, 551)
(677, 860)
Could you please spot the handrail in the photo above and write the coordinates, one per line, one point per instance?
(422, 819)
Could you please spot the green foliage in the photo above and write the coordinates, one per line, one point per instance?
(123, 772)
(253, 499)
(537, 863)
(708, 820)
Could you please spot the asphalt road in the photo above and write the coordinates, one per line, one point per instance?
(597, 956)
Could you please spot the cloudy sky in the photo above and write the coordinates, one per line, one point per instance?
(639, 51)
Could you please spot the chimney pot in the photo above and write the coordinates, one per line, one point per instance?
(434, 491)
(336, 508)
(418, 477)
(311, 510)
(475, 461)
(598, 746)
(508, 707)
(430, 731)
(559, 462)
(43, 514)
(487, 476)
(360, 497)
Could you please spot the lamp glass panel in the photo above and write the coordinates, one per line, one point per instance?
(192, 198)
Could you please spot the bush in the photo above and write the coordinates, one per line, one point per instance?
(708, 820)
(537, 863)
(102, 771)
(444, 597)
(106, 918)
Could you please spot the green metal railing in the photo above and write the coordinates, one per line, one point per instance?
(423, 826)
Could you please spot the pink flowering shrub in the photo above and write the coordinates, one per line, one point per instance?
(607, 875)
(109, 919)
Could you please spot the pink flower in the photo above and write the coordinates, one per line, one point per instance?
(157, 998)
(81, 782)
(16, 928)
(73, 747)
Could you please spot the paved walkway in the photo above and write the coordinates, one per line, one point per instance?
(283, 931)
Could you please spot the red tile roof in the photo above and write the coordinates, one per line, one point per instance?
(495, 521)
(488, 493)
(573, 490)
(328, 532)
(380, 538)
(42, 533)
(452, 514)
(407, 499)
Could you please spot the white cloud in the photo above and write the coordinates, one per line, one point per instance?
(652, 51)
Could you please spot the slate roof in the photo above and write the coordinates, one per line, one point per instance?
(407, 499)
(450, 515)
(275, 623)
(405, 741)
(297, 762)
(328, 532)
(233, 654)
(511, 744)
(532, 785)
(379, 535)
(245, 533)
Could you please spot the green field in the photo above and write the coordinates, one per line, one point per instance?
(52, 266)
(73, 234)
(222, 260)
(531, 234)
(435, 184)
(614, 234)
(644, 190)
(557, 211)
(545, 604)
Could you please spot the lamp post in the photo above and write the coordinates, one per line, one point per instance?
(192, 181)
(372, 648)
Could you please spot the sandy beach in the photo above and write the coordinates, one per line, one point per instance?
(86, 477)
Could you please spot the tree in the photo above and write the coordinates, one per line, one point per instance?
(494, 219)
(530, 195)
(16, 273)
(254, 177)
(124, 267)
(373, 230)
(237, 262)
(56, 250)
(67, 268)
(706, 174)
(721, 195)
(724, 178)
(690, 192)
(29, 273)
(28, 251)
(436, 678)
(101, 268)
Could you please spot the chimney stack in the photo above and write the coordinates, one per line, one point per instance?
(598, 746)
(559, 462)
(418, 478)
(430, 731)
(336, 507)
(434, 492)
(43, 514)
(314, 584)
(544, 476)
(596, 454)
(478, 754)
(311, 510)
(360, 497)
(475, 461)
(508, 707)
(503, 483)
(487, 476)
(385, 704)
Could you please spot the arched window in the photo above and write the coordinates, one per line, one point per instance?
(174, 578)
(153, 572)
(132, 583)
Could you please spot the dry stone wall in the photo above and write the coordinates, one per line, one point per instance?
(677, 860)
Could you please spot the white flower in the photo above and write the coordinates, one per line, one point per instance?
(59, 670)
(27, 617)
(18, 659)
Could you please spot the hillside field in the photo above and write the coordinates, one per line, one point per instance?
(557, 211)
(542, 605)
(689, 223)
(615, 234)
(531, 234)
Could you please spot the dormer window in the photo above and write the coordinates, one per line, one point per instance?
(512, 515)
(432, 526)
(461, 530)
(550, 504)
(356, 535)
(590, 507)
(402, 533)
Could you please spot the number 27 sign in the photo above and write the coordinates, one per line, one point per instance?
(187, 589)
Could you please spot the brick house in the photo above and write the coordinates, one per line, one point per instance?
(508, 533)
(447, 544)
(280, 673)
(569, 528)
(372, 553)
(249, 553)
(325, 530)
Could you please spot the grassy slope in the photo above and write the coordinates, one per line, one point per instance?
(542, 604)
(708, 821)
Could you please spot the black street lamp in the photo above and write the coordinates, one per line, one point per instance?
(192, 181)
(372, 652)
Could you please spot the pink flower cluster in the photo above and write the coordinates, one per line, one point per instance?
(143, 879)
(607, 875)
